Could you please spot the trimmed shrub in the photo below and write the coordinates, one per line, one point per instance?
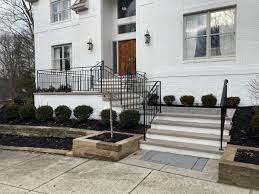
(11, 112)
(44, 113)
(18, 100)
(63, 113)
(209, 100)
(187, 100)
(105, 115)
(27, 112)
(82, 113)
(169, 100)
(233, 102)
(152, 99)
(129, 119)
(64, 88)
(255, 122)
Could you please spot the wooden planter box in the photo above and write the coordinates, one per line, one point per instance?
(83, 147)
(237, 173)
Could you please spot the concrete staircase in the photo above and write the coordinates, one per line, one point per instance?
(188, 133)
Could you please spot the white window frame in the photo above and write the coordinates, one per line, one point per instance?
(62, 59)
(61, 13)
(208, 34)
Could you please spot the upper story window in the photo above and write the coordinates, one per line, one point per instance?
(126, 8)
(210, 34)
(60, 10)
(127, 28)
(62, 57)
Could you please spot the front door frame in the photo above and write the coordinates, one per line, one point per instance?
(118, 53)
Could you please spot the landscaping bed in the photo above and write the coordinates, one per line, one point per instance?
(106, 137)
(36, 142)
(242, 133)
(247, 156)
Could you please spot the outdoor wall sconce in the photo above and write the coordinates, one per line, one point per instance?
(90, 45)
(147, 37)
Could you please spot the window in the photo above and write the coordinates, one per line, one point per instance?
(62, 57)
(60, 10)
(126, 8)
(127, 28)
(210, 34)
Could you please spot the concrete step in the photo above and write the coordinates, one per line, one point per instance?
(187, 137)
(205, 128)
(204, 151)
(192, 110)
(197, 118)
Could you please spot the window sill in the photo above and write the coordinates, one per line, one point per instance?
(61, 22)
(210, 59)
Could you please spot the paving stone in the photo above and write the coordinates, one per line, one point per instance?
(97, 177)
(200, 164)
(38, 170)
(6, 189)
(163, 183)
(142, 163)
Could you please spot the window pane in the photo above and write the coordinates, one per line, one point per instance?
(223, 21)
(127, 28)
(196, 25)
(67, 51)
(223, 44)
(196, 47)
(126, 8)
(61, 10)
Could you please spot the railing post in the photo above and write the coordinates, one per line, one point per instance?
(144, 115)
(91, 79)
(102, 68)
(37, 84)
(160, 90)
(66, 82)
(121, 89)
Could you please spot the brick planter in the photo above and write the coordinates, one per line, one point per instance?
(83, 147)
(237, 173)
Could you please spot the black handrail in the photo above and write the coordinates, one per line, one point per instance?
(151, 103)
(223, 107)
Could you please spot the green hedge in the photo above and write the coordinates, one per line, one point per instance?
(105, 116)
(11, 112)
(44, 113)
(209, 100)
(63, 113)
(233, 102)
(187, 100)
(27, 112)
(169, 99)
(129, 119)
(83, 113)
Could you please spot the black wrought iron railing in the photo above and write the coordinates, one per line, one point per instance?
(151, 103)
(223, 107)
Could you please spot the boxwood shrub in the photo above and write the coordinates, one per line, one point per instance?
(27, 112)
(153, 99)
(233, 102)
(83, 113)
(209, 100)
(187, 100)
(105, 116)
(11, 112)
(44, 113)
(129, 119)
(169, 99)
(63, 113)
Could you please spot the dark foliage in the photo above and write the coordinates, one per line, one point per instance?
(11, 112)
(233, 102)
(44, 113)
(209, 100)
(169, 99)
(63, 113)
(83, 113)
(187, 100)
(105, 116)
(129, 119)
(27, 112)
(153, 99)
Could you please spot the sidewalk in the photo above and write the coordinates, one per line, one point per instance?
(22, 172)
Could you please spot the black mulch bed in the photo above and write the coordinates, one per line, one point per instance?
(247, 156)
(242, 133)
(36, 142)
(90, 125)
(106, 137)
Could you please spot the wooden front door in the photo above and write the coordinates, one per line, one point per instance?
(127, 57)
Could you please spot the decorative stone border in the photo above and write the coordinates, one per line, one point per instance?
(41, 131)
(237, 173)
(83, 147)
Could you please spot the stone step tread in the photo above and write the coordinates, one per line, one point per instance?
(183, 146)
(184, 134)
(190, 124)
(195, 115)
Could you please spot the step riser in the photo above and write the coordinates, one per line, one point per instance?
(189, 129)
(196, 120)
(180, 151)
(186, 140)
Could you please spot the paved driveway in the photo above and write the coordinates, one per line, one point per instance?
(23, 172)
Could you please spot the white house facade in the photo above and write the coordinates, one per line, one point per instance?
(133, 49)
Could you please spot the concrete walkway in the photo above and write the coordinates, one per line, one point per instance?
(23, 172)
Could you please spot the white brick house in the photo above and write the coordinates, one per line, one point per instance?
(191, 46)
